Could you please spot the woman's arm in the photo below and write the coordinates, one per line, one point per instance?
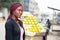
(8, 28)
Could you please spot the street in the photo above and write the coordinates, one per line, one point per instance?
(52, 36)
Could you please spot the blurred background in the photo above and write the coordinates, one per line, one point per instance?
(40, 9)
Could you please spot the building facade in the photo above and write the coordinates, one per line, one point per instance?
(30, 6)
(25, 4)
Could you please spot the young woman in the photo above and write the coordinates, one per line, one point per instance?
(13, 26)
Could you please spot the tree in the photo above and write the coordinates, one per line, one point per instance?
(7, 3)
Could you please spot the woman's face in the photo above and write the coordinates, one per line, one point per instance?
(18, 12)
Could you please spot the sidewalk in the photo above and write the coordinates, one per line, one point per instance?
(2, 33)
(2, 30)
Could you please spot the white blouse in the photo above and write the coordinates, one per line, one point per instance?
(21, 34)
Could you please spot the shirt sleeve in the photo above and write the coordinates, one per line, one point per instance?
(8, 28)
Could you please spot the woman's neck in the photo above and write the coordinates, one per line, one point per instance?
(14, 18)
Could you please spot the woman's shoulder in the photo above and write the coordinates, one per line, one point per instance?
(9, 22)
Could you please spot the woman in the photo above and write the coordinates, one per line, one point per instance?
(14, 27)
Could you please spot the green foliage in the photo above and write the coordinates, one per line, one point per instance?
(7, 3)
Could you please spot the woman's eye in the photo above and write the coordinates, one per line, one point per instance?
(19, 10)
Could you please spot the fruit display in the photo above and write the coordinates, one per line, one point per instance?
(33, 28)
(29, 19)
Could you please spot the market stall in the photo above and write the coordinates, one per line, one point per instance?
(33, 29)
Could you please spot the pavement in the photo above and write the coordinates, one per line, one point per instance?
(2, 30)
(52, 36)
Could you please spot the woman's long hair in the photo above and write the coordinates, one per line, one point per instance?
(13, 7)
